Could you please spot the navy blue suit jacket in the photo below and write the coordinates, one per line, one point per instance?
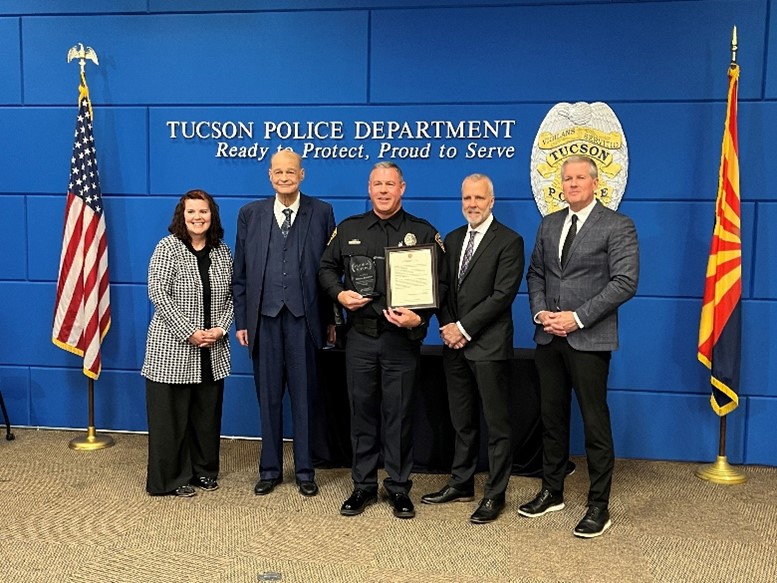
(314, 225)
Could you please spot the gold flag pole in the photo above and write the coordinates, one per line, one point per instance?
(92, 440)
(721, 472)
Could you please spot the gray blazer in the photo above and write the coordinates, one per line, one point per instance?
(601, 273)
(175, 289)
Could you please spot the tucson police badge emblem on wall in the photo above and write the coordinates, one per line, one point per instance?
(579, 129)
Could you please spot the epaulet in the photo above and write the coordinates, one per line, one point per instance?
(354, 218)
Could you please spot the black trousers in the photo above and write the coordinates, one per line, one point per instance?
(560, 369)
(184, 428)
(381, 375)
(472, 385)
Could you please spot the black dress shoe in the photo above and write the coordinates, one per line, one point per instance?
(185, 491)
(307, 487)
(266, 486)
(448, 494)
(594, 523)
(403, 506)
(205, 483)
(488, 511)
(544, 502)
(357, 502)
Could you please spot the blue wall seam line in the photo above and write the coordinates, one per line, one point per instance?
(754, 256)
(148, 151)
(21, 64)
(745, 429)
(368, 72)
(765, 69)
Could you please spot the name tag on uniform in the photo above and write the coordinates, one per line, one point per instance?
(355, 242)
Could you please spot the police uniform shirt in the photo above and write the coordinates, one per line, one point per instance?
(367, 235)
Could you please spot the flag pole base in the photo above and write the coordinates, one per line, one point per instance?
(721, 472)
(91, 441)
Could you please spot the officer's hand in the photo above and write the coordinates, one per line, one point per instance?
(352, 300)
(402, 317)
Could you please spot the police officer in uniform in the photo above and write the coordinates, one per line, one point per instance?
(383, 345)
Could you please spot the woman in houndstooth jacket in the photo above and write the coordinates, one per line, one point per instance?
(187, 350)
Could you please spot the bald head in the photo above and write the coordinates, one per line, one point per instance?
(286, 174)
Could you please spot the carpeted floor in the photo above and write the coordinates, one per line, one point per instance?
(84, 517)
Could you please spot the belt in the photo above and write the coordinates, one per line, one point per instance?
(369, 326)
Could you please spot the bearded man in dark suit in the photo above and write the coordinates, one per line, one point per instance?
(585, 265)
(483, 270)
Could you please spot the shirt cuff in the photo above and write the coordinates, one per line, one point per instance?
(579, 323)
(463, 331)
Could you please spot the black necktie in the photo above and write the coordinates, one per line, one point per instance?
(286, 223)
(568, 241)
(467, 255)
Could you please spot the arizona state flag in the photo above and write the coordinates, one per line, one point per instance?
(720, 330)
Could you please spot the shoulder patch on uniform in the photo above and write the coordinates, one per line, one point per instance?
(439, 241)
(332, 238)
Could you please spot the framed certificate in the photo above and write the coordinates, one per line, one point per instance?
(411, 277)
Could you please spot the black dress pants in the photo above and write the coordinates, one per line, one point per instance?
(560, 369)
(184, 428)
(381, 375)
(472, 385)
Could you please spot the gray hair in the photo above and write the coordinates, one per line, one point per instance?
(477, 178)
(387, 164)
(593, 170)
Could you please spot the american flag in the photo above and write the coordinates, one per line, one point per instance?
(82, 313)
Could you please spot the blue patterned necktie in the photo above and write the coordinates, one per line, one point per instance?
(286, 223)
(568, 241)
(467, 255)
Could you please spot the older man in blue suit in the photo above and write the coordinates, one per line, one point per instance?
(585, 265)
(278, 311)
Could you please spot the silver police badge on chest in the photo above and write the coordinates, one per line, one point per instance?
(410, 240)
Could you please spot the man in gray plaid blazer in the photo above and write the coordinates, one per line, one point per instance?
(585, 264)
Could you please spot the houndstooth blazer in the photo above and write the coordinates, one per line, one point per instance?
(175, 289)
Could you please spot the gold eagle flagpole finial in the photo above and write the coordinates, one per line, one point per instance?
(82, 54)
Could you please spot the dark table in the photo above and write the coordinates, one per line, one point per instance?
(432, 431)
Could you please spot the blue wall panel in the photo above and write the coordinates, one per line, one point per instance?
(771, 57)
(764, 270)
(30, 307)
(503, 65)
(15, 384)
(228, 58)
(762, 431)
(10, 71)
(13, 260)
(44, 138)
(135, 225)
(670, 426)
(81, 7)
(248, 5)
(241, 409)
(123, 347)
(46, 215)
(658, 339)
(59, 398)
(682, 232)
(759, 357)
